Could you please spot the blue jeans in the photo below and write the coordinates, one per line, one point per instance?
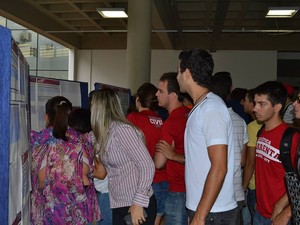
(260, 220)
(219, 218)
(175, 210)
(160, 192)
(251, 202)
(103, 201)
(246, 216)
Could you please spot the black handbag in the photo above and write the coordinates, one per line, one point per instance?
(293, 187)
(291, 177)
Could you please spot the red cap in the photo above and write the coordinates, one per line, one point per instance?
(289, 88)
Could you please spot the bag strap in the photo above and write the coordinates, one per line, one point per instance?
(285, 148)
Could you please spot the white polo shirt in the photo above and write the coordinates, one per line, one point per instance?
(209, 123)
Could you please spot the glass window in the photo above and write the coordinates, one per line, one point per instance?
(32, 73)
(27, 42)
(45, 57)
(51, 55)
(14, 26)
(63, 74)
(2, 21)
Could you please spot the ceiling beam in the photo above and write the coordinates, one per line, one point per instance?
(208, 7)
(37, 21)
(244, 8)
(176, 19)
(248, 41)
(229, 41)
(160, 14)
(78, 1)
(221, 11)
(158, 24)
(77, 9)
(37, 7)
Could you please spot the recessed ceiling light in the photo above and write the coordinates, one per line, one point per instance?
(281, 12)
(112, 12)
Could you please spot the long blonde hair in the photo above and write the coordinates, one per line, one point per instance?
(105, 109)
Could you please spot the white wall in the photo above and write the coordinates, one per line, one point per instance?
(104, 66)
(163, 61)
(248, 68)
(83, 66)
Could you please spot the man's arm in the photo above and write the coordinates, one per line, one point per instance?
(214, 181)
(280, 205)
(244, 155)
(284, 217)
(249, 167)
(160, 160)
(169, 151)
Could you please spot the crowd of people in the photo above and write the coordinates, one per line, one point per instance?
(213, 160)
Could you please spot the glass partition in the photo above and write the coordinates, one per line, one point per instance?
(45, 57)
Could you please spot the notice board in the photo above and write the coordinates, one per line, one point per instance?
(123, 93)
(42, 89)
(14, 130)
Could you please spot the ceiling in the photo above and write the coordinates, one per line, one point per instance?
(176, 24)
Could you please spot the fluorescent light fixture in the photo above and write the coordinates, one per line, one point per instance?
(281, 12)
(112, 12)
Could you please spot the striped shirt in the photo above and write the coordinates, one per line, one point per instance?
(129, 166)
(240, 138)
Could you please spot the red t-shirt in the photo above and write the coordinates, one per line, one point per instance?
(269, 172)
(150, 123)
(173, 130)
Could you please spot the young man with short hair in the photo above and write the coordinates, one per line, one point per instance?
(170, 149)
(209, 147)
(271, 195)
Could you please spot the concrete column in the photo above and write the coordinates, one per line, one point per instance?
(139, 42)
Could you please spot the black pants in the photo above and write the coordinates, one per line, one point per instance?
(119, 213)
(224, 218)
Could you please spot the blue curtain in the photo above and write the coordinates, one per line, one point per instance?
(5, 70)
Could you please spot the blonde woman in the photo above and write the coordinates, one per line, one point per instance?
(130, 168)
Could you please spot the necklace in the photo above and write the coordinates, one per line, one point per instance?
(199, 99)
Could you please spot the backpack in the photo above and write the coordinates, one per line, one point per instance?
(292, 180)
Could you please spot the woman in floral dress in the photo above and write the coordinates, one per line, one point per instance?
(62, 170)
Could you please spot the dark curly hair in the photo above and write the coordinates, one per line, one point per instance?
(146, 93)
(221, 84)
(200, 64)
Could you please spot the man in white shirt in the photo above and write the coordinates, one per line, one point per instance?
(209, 147)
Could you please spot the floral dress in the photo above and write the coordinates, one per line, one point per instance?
(64, 199)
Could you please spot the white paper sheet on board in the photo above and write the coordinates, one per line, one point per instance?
(71, 91)
(15, 190)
